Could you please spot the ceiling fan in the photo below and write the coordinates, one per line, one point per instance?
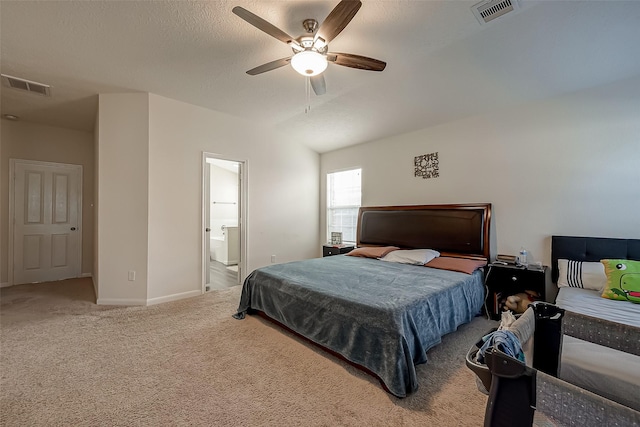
(310, 51)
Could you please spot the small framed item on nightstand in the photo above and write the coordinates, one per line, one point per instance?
(336, 238)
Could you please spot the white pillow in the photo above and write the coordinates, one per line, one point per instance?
(411, 256)
(581, 274)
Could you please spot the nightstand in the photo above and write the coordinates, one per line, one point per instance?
(328, 250)
(504, 280)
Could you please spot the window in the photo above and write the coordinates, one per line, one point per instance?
(343, 201)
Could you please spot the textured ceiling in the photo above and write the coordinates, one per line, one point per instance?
(442, 64)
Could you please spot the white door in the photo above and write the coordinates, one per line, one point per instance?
(207, 222)
(240, 219)
(47, 216)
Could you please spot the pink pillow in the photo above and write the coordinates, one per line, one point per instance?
(373, 251)
(463, 265)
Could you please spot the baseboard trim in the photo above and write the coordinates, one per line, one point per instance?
(121, 301)
(152, 301)
(7, 284)
(174, 297)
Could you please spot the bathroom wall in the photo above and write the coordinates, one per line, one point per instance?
(224, 199)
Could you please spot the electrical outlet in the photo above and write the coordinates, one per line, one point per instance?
(273, 259)
(132, 276)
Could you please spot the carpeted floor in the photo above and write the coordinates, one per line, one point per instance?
(66, 361)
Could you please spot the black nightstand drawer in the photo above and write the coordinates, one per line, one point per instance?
(505, 280)
(514, 278)
(328, 250)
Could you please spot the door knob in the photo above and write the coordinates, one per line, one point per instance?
(73, 229)
(207, 229)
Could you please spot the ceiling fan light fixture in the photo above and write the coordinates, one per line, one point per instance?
(309, 63)
(319, 43)
(295, 46)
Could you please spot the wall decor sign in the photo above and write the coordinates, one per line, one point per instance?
(427, 166)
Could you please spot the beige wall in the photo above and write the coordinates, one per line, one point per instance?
(123, 197)
(283, 199)
(568, 166)
(22, 140)
(150, 195)
(96, 196)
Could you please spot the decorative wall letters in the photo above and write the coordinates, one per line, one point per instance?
(427, 166)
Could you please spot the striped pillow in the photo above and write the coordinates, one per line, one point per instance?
(581, 274)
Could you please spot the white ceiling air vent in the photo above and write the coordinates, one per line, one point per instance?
(26, 85)
(488, 10)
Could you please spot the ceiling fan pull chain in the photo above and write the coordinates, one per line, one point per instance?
(307, 89)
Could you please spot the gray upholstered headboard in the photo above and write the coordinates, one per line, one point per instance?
(591, 249)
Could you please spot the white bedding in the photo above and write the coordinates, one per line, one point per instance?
(590, 303)
(610, 373)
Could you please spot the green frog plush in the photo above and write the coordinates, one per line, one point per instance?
(623, 280)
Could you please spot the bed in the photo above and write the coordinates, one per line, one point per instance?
(586, 348)
(603, 370)
(381, 316)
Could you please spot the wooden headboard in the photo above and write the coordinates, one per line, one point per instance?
(450, 229)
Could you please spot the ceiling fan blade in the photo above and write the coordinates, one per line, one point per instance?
(263, 25)
(339, 17)
(318, 84)
(356, 61)
(269, 66)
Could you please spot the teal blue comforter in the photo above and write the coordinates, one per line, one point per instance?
(380, 315)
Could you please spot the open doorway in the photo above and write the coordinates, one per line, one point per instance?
(223, 214)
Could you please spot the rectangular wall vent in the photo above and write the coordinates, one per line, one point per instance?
(488, 10)
(26, 85)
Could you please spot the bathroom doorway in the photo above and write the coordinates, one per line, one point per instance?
(224, 237)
